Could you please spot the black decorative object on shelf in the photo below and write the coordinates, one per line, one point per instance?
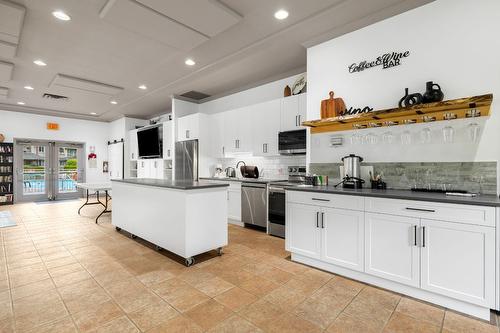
(432, 94)
(6, 174)
(410, 99)
(352, 111)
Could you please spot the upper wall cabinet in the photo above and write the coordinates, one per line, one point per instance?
(266, 126)
(167, 140)
(293, 112)
(217, 135)
(238, 131)
(134, 148)
(188, 127)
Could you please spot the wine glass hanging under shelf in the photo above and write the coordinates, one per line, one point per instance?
(471, 107)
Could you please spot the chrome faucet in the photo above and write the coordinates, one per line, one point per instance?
(237, 164)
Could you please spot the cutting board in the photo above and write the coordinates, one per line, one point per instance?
(332, 107)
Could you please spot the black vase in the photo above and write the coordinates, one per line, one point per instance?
(410, 99)
(433, 93)
(401, 101)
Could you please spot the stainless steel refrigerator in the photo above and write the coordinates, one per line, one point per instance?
(186, 160)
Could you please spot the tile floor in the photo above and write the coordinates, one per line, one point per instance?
(60, 272)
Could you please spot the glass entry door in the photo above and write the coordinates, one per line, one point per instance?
(47, 170)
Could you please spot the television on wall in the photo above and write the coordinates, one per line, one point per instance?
(149, 142)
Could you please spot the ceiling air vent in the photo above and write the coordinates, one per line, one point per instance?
(196, 95)
(53, 97)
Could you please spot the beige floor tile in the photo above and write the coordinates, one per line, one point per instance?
(290, 323)
(26, 275)
(420, 310)
(96, 316)
(6, 310)
(259, 286)
(375, 314)
(130, 302)
(400, 323)
(235, 324)
(152, 315)
(261, 313)
(277, 275)
(195, 276)
(4, 296)
(71, 278)
(64, 325)
(379, 298)
(318, 313)
(208, 314)
(236, 298)
(128, 286)
(347, 324)
(179, 294)
(214, 287)
(118, 325)
(155, 277)
(7, 325)
(179, 324)
(236, 276)
(65, 269)
(287, 299)
(4, 284)
(454, 322)
(83, 295)
(33, 288)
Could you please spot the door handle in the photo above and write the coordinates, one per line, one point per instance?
(187, 134)
(296, 120)
(421, 210)
(415, 235)
(322, 220)
(299, 120)
(423, 236)
(168, 152)
(319, 199)
(317, 219)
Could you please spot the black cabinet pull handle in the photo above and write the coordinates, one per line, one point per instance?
(319, 199)
(421, 210)
(317, 219)
(323, 220)
(415, 235)
(423, 236)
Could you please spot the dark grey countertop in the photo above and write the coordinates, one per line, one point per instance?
(480, 200)
(178, 185)
(247, 180)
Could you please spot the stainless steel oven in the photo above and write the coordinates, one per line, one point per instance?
(276, 211)
(292, 142)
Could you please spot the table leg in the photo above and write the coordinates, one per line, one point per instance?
(86, 202)
(105, 205)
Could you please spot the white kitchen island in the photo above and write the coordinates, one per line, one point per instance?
(186, 218)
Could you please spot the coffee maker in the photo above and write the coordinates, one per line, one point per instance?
(352, 172)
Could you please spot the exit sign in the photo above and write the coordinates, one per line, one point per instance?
(53, 126)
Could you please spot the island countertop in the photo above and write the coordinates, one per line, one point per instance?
(172, 184)
(480, 200)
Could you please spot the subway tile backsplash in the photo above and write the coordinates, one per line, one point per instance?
(479, 177)
(269, 167)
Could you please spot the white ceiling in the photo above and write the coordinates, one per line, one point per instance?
(110, 47)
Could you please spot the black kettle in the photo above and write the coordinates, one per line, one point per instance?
(433, 93)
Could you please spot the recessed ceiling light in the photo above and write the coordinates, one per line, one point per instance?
(114, 102)
(21, 103)
(190, 62)
(143, 87)
(93, 113)
(39, 62)
(281, 14)
(29, 88)
(59, 14)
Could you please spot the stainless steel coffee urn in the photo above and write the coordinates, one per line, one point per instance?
(352, 171)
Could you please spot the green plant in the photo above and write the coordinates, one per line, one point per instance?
(71, 164)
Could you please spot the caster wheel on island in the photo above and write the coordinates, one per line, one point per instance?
(133, 236)
(158, 248)
(189, 262)
(220, 251)
(118, 229)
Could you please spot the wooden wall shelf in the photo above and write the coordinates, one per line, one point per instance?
(477, 106)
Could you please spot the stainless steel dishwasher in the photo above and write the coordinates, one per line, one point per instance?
(254, 204)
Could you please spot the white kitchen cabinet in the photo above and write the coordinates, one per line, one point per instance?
(134, 147)
(343, 237)
(266, 124)
(217, 135)
(156, 169)
(303, 231)
(238, 130)
(188, 127)
(168, 144)
(458, 261)
(391, 248)
(293, 112)
(234, 201)
(143, 169)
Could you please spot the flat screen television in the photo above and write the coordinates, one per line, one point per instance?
(149, 141)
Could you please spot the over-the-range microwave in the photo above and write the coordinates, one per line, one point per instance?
(292, 142)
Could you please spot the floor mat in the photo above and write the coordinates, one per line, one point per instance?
(6, 219)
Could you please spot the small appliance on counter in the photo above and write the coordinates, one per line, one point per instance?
(230, 172)
(249, 171)
(352, 172)
(219, 172)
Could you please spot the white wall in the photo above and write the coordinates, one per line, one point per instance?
(263, 93)
(29, 126)
(452, 42)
